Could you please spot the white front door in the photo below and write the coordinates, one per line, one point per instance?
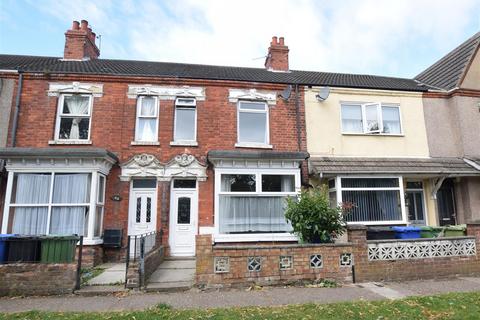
(142, 213)
(183, 219)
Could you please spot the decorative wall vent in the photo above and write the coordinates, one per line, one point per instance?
(286, 262)
(346, 260)
(221, 264)
(254, 264)
(316, 261)
(421, 249)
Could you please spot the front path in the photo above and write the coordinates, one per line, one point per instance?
(237, 297)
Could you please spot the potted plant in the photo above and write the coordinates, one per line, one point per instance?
(312, 217)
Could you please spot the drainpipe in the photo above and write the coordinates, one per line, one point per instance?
(17, 108)
(297, 114)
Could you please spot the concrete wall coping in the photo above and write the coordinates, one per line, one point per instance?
(279, 246)
(420, 239)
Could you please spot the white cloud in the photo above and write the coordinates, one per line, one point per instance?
(367, 36)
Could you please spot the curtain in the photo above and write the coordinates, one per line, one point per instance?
(288, 183)
(352, 118)
(70, 188)
(373, 205)
(252, 214)
(146, 125)
(391, 120)
(76, 105)
(31, 189)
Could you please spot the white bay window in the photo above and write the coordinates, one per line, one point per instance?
(374, 200)
(252, 202)
(371, 118)
(55, 203)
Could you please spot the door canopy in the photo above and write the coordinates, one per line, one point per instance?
(147, 165)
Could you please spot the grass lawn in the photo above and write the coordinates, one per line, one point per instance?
(448, 306)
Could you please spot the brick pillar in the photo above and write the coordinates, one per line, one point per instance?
(204, 258)
(357, 235)
(473, 230)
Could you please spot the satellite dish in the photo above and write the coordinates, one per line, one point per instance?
(323, 94)
(286, 92)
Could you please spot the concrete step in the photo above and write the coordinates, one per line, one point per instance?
(172, 275)
(179, 258)
(89, 291)
(178, 264)
(172, 286)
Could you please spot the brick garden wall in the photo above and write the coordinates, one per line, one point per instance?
(152, 261)
(37, 279)
(227, 265)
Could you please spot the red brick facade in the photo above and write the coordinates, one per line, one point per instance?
(113, 128)
(80, 42)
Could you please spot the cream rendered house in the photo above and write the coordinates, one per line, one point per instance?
(370, 146)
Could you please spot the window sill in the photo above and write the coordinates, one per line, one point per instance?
(51, 142)
(145, 143)
(184, 143)
(254, 237)
(253, 145)
(92, 242)
(373, 134)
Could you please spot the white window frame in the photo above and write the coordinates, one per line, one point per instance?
(424, 198)
(183, 105)
(138, 116)
(286, 236)
(400, 188)
(60, 115)
(266, 143)
(89, 238)
(100, 204)
(379, 107)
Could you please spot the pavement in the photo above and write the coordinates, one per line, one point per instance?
(114, 273)
(267, 296)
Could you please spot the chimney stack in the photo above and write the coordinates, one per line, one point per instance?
(277, 58)
(80, 42)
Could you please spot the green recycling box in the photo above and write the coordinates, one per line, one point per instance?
(58, 249)
(456, 231)
(430, 232)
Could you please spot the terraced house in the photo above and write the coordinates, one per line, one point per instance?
(202, 157)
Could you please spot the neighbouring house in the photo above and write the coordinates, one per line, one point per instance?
(452, 120)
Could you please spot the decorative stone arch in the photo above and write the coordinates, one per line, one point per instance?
(185, 166)
(147, 165)
(140, 166)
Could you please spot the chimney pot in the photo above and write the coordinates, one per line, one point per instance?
(277, 58)
(84, 25)
(75, 25)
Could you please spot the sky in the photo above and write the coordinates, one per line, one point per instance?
(396, 38)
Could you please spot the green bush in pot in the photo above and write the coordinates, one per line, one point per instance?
(312, 217)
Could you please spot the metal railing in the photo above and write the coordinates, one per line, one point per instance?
(138, 246)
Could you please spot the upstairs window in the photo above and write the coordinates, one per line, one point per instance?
(253, 122)
(146, 129)
(371, 118)
(185, 120)
(73, 121)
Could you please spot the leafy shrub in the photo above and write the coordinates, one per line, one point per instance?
(312, 217)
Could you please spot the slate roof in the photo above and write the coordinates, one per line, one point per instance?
(351, 165)
(447, 72)
(197, 71)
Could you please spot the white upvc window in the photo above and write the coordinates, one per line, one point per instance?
(185, 125)
(58, 203)
(250, 203)
(74, 117)
(146, 126)
(253, 123)
(371, 118)
(375, 200)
